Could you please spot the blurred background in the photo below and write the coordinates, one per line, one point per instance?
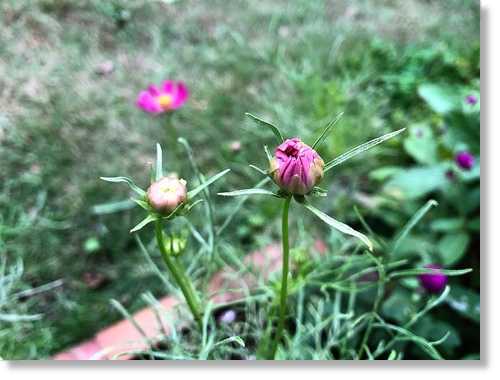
(70, 72)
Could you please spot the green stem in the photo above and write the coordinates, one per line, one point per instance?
(180, 277)
(284, 275)
(376, 305)
(171, 132)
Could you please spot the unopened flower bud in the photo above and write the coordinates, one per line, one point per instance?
(296, 167)
(464, 160)
(166, 194)
(433, 282)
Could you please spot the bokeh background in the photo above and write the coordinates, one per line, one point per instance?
(70, 72)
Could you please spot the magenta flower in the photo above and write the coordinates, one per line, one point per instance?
(166, 194)
(471, 99)
(433, 282)
(170, 96)
(464, 160)
(296, 167)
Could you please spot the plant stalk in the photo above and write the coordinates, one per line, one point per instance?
(284, 275)
(180, 277)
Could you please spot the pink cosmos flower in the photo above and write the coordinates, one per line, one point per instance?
(166, 194)
(296, 167)
(168, 97)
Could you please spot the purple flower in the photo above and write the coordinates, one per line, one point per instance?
(296, 167)
(166, 194)
(433, 282)
(464, 160)
(471, 99)
(229, 316)
(170, 96)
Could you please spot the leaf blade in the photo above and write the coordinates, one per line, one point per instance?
(361, 148)
(246, 192)
(201, 187)
(327, 129)
(150, 218)
(266, 124)
(344, 228)
(412, 222)
(159, 162)
(126, 180)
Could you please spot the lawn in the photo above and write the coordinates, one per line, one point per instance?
(70, 72)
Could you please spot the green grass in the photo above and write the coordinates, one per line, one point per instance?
(298, 64)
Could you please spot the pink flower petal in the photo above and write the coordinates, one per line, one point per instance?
(148, 103)
(168, 86)
(153, 90)
(181, 95)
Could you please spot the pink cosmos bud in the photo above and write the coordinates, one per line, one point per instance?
(464, 160)
(433, 282)
(296, 167)
(166, 194)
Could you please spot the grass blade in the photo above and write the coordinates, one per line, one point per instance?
(159, 162)
(412, 222)
(360, 149)
(261, 171)
(207, 183)
(344, 228)
(244, 192)
(419, 271)
(143, 223)
(112, 207)
(266, 124)
(326, 131)
(128, 181)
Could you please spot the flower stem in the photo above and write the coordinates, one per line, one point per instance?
(284, 275)
(180, 277)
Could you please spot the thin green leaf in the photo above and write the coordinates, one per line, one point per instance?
(393, 355)
(190, 154)
(191, 205)
(431, 304)
(118, 306)
(211, 180)
(417, 272)
(266, 124)
(19, 317)
(244, 192)
(408, 335)
(143, 204)
(240, 203)
(412, 222)
(268, 155)
(152, 264)
(159, 162)
(326, 131)
(143, 223)
(440, 341)
(231, 339)
(261, 171)
(111, 207)
(128, 181)
(344, 228)
(360, 149)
